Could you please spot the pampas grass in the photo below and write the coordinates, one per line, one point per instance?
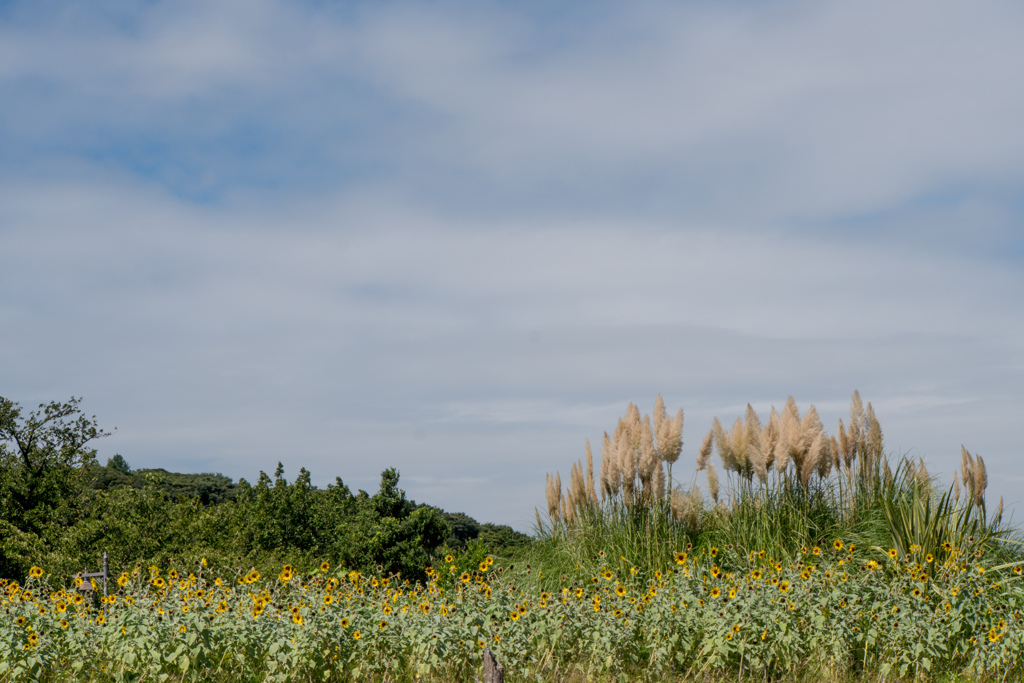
(785, 483)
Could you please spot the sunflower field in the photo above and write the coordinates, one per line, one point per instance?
(834, 609)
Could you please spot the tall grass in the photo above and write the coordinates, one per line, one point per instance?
(787, 486)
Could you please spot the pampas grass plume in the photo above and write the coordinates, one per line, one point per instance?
(670, 438)
(980, 481)
(713, 481)
(704, 455)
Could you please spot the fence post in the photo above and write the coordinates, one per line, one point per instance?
(493, 672)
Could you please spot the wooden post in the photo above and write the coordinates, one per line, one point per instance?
(493, 672)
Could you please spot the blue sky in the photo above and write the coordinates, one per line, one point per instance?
(459, 237)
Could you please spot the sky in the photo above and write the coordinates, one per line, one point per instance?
(458, 238)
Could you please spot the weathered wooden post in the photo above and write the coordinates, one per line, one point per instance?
(493, 672)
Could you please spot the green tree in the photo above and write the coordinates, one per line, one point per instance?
(119, 464)
(42, 457)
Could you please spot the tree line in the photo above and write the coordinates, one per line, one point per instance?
(61, 509)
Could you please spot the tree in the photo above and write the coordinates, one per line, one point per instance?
(42, 455)
(119, 464)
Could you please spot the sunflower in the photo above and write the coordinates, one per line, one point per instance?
(837, 544)
(893, 553)
(64, 623)
(784, 586)
(36, 572)
(756, 575)
(916, 592)
(816, 550)
(20, 621)
(680, 558)
(465, 578)
(993, 636)
(325, 566)
(929, 558)
(383, 624)
(732, 593)
(344, 622)
(715, 592)
(620, 590)
(713, 552)
(297, 617)
(484, 566)
(33, 639)
(357, 635)
(607, 575)
(872, 565)
(328, 599)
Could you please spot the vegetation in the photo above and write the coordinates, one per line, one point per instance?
(813, 557)
(788, 484)
(61, 509)
(834, 610)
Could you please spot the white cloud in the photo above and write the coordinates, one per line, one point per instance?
(459, 239)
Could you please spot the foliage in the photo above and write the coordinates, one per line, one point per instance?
(499, 538)
(208, 488)
(61, 507)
